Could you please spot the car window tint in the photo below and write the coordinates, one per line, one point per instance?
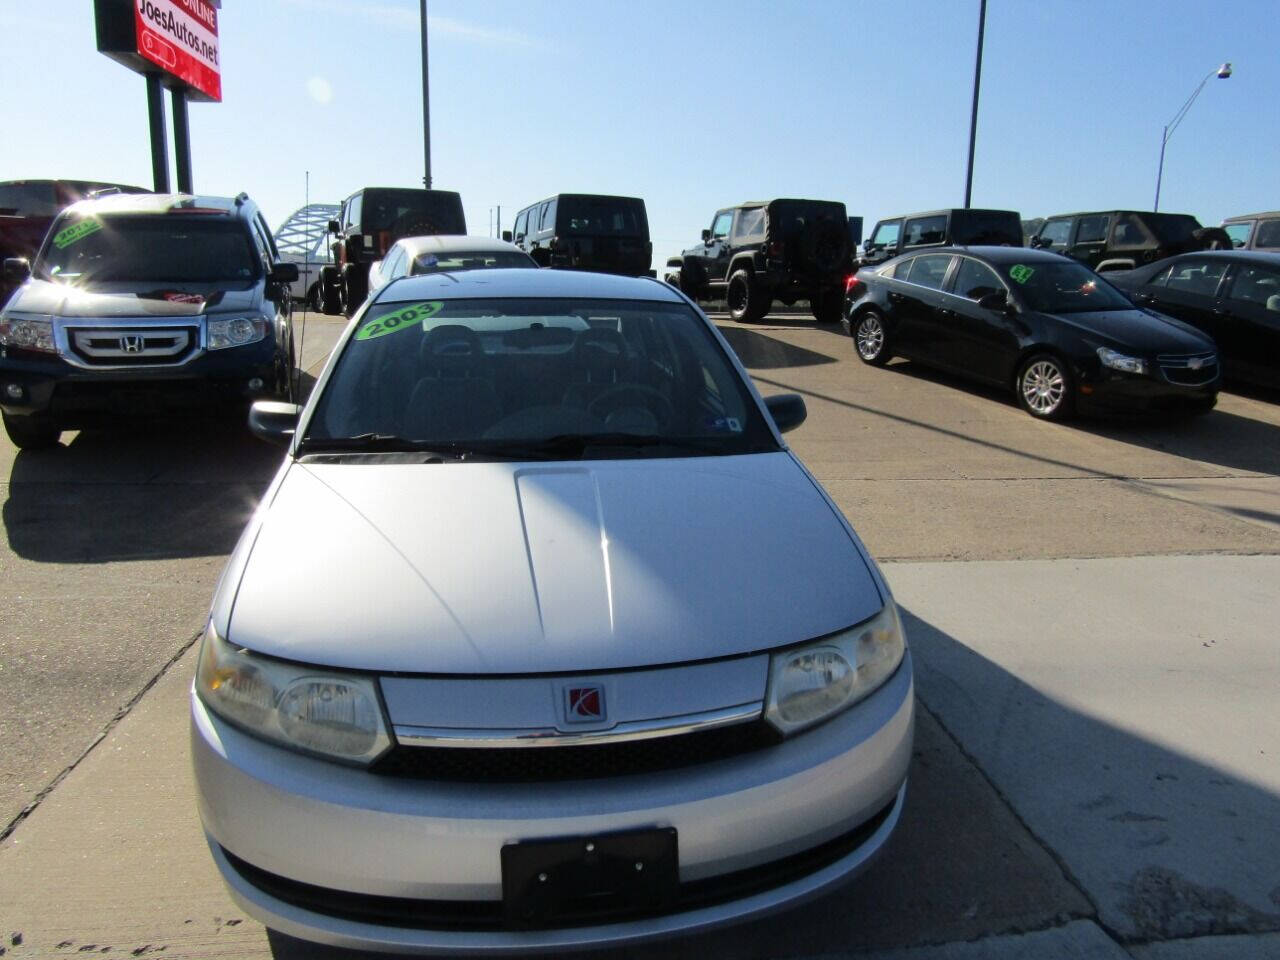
(924, 230)
(1058, 231)
(160, 249)
(1130, 232)
(892, 269)
(1161, 278)
(392, 264)
(1268, 235)
(720, 229)
(750, 224)
(975, 280)
(929, 271)
(1257, 285)
(28, 199)
(1092, 229)
(443, 262)
(886, 234)
(1196, 276)
(1239, 233)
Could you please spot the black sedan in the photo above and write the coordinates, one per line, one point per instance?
(1234, 296)
(1047, 326)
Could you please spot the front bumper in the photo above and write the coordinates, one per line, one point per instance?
(291, 834)
(1114, 391)
(75, 396)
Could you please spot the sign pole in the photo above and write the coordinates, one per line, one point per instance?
(181, 140)
(159, 143)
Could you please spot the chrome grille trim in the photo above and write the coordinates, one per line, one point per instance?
(1178, 368)
(413, 736)
(112, 343)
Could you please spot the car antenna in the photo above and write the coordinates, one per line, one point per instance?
(295, 374)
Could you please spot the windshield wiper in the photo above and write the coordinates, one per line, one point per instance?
(382, 443)
(573, 446)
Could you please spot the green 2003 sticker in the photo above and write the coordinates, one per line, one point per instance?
(404, 319)
(1020, 273)
(65, 238)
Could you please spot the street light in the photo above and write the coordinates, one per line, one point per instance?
(1222, 73)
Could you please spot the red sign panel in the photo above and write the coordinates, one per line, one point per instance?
(181, 37)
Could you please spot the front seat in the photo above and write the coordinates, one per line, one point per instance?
(454, 398)
(599, 364)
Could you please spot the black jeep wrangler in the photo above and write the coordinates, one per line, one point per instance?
(1125, 239)
(581, 231)
(756, 253)
(960, 227)
(371, 220)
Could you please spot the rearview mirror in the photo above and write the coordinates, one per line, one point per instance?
(996, 300)
(787, 409)
(284, 273)
(17, 269)
(274, 421)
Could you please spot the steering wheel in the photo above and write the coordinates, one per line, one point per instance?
(653, 402)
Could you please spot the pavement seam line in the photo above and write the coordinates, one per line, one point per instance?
(1062, 865)
(123, 712)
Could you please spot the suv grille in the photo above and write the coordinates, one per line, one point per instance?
(580, 762)
(121, 347)
(1189, 370)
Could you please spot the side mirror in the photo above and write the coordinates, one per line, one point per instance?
(17, 269)
(284, 272)
(706, 236)
(506, 236)
(334, 226)
(996, 300)
(787, 409)
(274, 421)
(1040, 242)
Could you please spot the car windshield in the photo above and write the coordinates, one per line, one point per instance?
(470, 260)
(535, 379)
(134, 248)
(28, 198)
(1063, 287)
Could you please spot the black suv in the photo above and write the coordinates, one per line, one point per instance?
(961, 226)
(144, 305)
(1122, 239)
(759, 252)
(371, 220)
(586, 231)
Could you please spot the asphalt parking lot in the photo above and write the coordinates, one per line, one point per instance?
(1092, 610)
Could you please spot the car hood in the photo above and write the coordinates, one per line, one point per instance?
(130, 299)
(1139, 331)
(507, 568)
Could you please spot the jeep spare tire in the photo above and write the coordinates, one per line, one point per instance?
(825, 245)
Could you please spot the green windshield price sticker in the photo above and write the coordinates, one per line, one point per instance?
(400, 320)
(1020, 273)
(73, 234)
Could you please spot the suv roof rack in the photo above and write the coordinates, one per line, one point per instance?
(102, 192)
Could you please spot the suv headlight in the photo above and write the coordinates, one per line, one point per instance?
(27, 333)
(811, 683)
(328, 712)
(1122, 362)
(235, 332)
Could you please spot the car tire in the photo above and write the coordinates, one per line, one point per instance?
(315, 298)
(355, 287)
(690, 280)
(825, 306)
(33, 432)
(330, 296)
(1045, 388)
(745, 298)
(871, 340)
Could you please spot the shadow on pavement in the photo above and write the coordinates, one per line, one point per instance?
(155, 492)
(1165, 845)
(759, 352)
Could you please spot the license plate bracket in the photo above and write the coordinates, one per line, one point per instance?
(575, 879)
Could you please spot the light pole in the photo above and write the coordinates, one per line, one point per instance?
(1222, 73)
(973, 118)
(426, 104)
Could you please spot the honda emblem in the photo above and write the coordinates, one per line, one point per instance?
(584, 704)
(131, 343)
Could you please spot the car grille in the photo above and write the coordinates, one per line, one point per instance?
(486, 915)
(1189, 370)
(145, 346)
(578, 762)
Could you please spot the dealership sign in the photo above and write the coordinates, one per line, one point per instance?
(177, 38)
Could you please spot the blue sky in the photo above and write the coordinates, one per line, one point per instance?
(691, 105)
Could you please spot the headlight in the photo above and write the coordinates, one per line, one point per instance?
(329, 712)
(235, 332)
(27, 333)
(1122, 362)
(811, 683)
